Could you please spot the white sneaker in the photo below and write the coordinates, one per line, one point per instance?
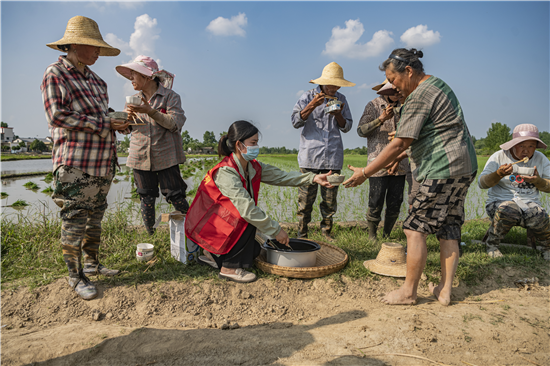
(240, 276)
(493, 251)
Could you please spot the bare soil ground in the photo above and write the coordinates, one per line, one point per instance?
(281, 322)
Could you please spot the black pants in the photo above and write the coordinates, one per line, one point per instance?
(172, 187)
(389, 189)
(243, 253)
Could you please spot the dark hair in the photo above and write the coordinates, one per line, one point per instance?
(157, 80)
(64, 47)
(404, 58)
(238, 131)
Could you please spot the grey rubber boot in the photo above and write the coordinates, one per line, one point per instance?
(372, 227)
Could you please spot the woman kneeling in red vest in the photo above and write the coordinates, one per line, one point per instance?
(224, 215)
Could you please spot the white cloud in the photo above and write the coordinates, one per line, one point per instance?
(343, 41)
(142, 41)
(114, 41)
(299, 93)
(420, 36)
(228, 27)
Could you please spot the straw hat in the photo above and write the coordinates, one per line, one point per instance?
(333, 74)
(522, 133)
(379, 86)
(82, 30)
(145, 65)
(390, 261)
(387, 89)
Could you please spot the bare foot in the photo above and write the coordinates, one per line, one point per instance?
(443, 297)
(396, 297)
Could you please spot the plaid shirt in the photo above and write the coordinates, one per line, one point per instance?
(158, 145)
(76, 107)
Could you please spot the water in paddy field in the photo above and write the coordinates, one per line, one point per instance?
(120, 192)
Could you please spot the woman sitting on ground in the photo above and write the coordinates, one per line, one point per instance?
(224, 215)
(514, 199)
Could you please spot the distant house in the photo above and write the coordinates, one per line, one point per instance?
(207, 150)
(48, 141)
(7, 135)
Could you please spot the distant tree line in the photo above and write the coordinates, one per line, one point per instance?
(498, 134)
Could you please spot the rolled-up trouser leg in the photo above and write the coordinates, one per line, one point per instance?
(92, 237)
(173, 187)
(72, 234)
(505, 215)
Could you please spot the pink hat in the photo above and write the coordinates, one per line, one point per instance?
(146, 66)
(387, 89)
(522, 133)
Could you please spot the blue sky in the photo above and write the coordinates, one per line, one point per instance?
(251, 60)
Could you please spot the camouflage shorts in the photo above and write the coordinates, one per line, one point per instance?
(507, 214)
(438, 207)
(75, 190)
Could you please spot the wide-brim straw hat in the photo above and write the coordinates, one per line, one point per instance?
(379, 86)
(390, 261)
(82, 30)
(387, 89)
(333, 74)
(522, 133)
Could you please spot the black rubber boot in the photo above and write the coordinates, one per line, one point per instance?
(148, 213)
(388, 226)
(372, 227)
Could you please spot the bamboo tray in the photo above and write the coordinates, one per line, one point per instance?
(330, 259)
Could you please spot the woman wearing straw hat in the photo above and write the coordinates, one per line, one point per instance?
(321, 147)
(377, 121)
(514, 189)
(84, 147)
(432, 124)
(224, 215)
(156, 148)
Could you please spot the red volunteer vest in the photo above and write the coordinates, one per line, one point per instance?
(212, 221)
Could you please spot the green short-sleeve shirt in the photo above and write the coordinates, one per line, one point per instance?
(442, 146)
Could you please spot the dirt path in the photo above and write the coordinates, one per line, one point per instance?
(283, 322)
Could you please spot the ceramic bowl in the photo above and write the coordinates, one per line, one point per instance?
(118, 115)
(336, 179)
(133, 100)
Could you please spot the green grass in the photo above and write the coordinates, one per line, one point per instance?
(20, 203)
(48, 190)
(11, 157)
(31, 185)
(4, 195)
(31, 254)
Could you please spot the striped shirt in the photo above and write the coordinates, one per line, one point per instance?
(442, 146)
(76, 105)
(158, 145)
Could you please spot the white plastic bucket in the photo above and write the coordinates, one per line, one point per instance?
(145, 252)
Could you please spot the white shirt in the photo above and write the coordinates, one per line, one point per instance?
(506, 190)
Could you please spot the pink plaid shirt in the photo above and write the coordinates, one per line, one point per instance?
(76, 107)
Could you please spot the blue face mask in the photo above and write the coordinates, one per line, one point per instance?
(251, 153)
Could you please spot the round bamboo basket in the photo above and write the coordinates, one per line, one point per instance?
(330, 259)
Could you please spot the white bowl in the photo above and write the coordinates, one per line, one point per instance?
(145, 252)
(336, 180)
(133, 100)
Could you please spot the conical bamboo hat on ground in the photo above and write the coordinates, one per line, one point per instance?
(82, 30)
(390, 261)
